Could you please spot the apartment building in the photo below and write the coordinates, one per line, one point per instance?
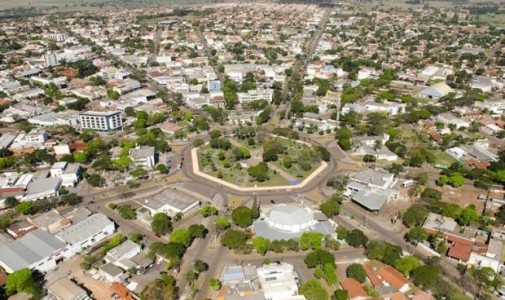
(101, 121)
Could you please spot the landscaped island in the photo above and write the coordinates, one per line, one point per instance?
(249, 159)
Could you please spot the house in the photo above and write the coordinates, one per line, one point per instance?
(65, 289)
(394, 278)
(88, 232)
(460, 246)
(354, 289)
(495, 105)
(450, 119)
(143, 157)
(371, 189)
(169, 127)
(37, 250)
(121, 255)
(436, 91)
(170, 202)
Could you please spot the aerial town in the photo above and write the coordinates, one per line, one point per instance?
(281, 150)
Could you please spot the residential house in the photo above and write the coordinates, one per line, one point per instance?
(144, 157)
(354, 289)
(371, 189)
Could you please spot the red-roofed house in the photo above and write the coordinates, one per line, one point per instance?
(169, 127)
(354, 289)
(394, 278)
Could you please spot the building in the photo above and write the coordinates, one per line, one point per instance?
(143, 157)
(121, 255)
(51, 59)
(278, 281)
(450, 119)
(50, 221)
(85, 233)
(483, 83)
(37, 250)
(371, 189)
(112, 273)
(258, 94)
(170, 202)
(286, 221)
(436, 91)
(65, 289)
(41, 188)
(101, 121)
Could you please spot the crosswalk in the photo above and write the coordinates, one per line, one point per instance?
(316, 196)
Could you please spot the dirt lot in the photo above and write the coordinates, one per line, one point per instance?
(463, 196)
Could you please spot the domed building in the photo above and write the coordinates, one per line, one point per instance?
(287, 221)
(290, 218)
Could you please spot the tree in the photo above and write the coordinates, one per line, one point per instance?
(139, 172)
(200, 266)
(318, 258)
(95, 180)
(330, 208)
(11, 202)
(416, 235)
(259, 172)
(234, 239)
(431, 195)
(161, 224)
(407, 264)
(356, 238)
(369, 158)
(330, 273)
(311, 240)
(255, 209)
(242, 216)
(215, 284)
(261, 245)
(127, 212)
(208, 210)
(22, 281)
(221, 224)
(425, 276)
(197, 231)
(467, 216)
(181, 236)
(162, 169)
(25, 207)
(340, 295)
(415, 215)
(500, 215)
(357, 272)
(312, 289)
(71, 199)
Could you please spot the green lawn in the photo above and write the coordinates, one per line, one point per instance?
(443, 158)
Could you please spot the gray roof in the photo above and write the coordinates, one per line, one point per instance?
(65, 289)
(99, 113)
(372, 199)
(439, 222)
(78, 214)
(496, 247)
(72, 168)
(371, 177)
(121, 250)
(143, 152)
(173, 198)
(437, 90)
(84, 229)
(47, 219)
(111, 269)
(43, 185)
(29, 249)
(6, 140)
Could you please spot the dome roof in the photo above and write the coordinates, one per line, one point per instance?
(289, 215)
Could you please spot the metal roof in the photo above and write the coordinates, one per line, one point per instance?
(66, 290)
(43, 185)
(29, 249)
(84, 229)
(289, 215)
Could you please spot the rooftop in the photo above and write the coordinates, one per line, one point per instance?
(66, 289)
(29, 249)
(84, 229)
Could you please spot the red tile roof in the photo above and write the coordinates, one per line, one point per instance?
(394, 277)
(372, 276)
(460, 251)
(353, 287)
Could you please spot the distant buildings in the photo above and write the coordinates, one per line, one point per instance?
(101, 121)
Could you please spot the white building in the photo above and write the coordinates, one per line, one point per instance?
(436, 91)
(121, 255)
(69, 173)
(37, 250)
(450, 119)
(258, 94)
(169, 202)
(371, 189)
(101, 121)
(51, 60)
(143, 157)
(88, 232)
(278, 281)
